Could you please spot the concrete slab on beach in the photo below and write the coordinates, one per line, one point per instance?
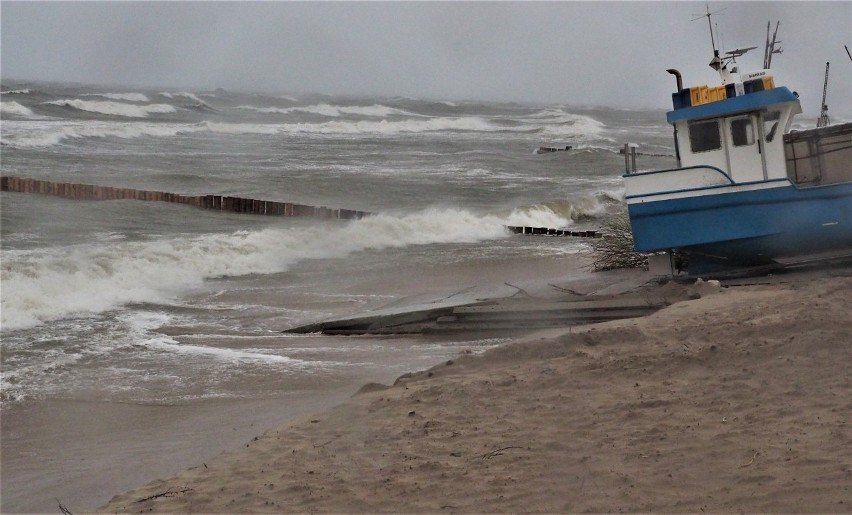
(509, 308)
(519, 308)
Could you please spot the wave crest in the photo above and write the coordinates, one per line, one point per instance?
(333, 111)
(130, 97)
(49, 134)
(191, 96)
(574, 210)
(50, 284)
(115, 108)
(15, 108)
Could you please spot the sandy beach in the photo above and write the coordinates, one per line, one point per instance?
(739, 399)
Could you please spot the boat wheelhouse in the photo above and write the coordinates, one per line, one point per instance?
(747, 190)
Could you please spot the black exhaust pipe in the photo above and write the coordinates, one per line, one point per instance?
(679, 79)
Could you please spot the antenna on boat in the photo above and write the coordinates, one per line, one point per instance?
(708, 14)
(770, 46)
(847, 52)
(823, 114)
(719, 63)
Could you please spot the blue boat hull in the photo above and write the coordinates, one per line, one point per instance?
(746, 228)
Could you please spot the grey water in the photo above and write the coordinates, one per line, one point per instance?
(129, 303)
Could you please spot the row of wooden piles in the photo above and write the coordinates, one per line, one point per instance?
(546, 231)
(219, 202)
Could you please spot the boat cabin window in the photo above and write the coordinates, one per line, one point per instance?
(742, 132)
(705, 136)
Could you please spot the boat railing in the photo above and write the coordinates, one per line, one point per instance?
(675, 180)
(819, 156)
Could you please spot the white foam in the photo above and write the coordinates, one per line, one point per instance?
(270, 110)
(539, 216)
(552, 214)
(130, 97)
(55, 132)
(166, 344)
(242, 128)
(575, 125)
(115, 108)
(616, 195)
(16, 92)
(334, 111)
(184, 94)
(367, 127)
(141, 324)
(50, 133)
(50, 284)
(15, 108)
(385, 127)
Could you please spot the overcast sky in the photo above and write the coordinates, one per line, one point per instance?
(579, 53)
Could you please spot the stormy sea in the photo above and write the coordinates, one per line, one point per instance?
(140, 338)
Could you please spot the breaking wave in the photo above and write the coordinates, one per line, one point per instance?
(383, 127)
(184, 94)
(130, 97)
(48, 134)
(166, 344)
(597, 206)
(51, 284)
(333, 111)
(115, 108)
(54, 133)
(15, 108)
(560, 123)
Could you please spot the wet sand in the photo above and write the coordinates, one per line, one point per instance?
(737, 400)
(82, 448)
(80, 453)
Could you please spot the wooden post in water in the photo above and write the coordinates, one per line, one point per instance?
(224, 203)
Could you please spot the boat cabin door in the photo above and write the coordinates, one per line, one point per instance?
(743, 142)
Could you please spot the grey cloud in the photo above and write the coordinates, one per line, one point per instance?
(582, 53)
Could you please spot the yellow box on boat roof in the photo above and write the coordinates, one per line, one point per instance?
(698, 95)
(716, 93)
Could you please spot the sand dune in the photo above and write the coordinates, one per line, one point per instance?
(740, 400)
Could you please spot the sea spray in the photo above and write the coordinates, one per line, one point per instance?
(333, 111)
(12, 107)
(50, 284)
(130, 97)
(185, 94)
(115, 108)
(49, 133)
(170, 345)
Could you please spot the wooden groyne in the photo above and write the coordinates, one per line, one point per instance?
(218, 202)
(547, 231)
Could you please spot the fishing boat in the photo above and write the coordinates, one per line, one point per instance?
(747, 191)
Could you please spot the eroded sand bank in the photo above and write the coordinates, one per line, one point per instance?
(738, 400)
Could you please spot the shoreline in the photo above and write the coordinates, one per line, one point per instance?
(737, 400)
(82, 448)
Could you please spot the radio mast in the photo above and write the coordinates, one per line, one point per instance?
(770, 46)
(823, 115)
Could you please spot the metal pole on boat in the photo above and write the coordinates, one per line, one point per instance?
(679, 89)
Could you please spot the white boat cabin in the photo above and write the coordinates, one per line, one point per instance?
(742, 136)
